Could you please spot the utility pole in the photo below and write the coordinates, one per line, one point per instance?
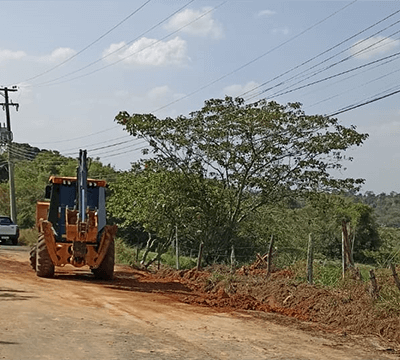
(6, 106)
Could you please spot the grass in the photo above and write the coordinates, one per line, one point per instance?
(129, 256)
(28, 237)
(389, 295)
(327, 273)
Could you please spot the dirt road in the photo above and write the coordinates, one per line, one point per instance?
(72, 316)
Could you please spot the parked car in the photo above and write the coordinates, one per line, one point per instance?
(8, 230)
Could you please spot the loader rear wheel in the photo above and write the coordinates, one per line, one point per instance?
(106, 269)
(44, 265)
(32, 257)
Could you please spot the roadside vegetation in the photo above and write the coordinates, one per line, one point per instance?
(227, 178)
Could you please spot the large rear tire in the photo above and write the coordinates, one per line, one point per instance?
(32, 257)
(44, 265)
(106, 269)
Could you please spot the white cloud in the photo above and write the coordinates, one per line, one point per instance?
(378, 45)
(201, 23)
(57, 55)
(266, 13)
(159, 92)
(149, 52)
(283, 30)
(238, 90)
(11, 55)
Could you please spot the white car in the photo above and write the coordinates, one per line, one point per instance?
(8, 230)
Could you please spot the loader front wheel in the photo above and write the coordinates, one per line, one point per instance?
(106, 269)
(32, 257)
(44, 265)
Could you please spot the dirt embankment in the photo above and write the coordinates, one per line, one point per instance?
(349, 310)
(174, 315)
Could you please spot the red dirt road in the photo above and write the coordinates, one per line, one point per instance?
(138, 316)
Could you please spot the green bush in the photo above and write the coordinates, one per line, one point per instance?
(185, 262)
(124, 254)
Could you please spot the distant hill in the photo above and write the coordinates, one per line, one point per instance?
(386, 207)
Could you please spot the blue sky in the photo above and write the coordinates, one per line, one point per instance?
(78, 63)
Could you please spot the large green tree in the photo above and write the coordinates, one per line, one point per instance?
(163, 202)
(258, 153)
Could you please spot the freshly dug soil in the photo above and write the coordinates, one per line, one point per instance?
(348, 310)
(170, 314)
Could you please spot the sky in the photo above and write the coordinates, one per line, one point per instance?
(78, 63)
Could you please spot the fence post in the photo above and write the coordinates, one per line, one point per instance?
(353, 240)
(396, 278)
(233, 260)
(200, 256)
(176, 248)
(158, 256)
(374, 290)
(310, 258)
(345, 248)
(269, 260)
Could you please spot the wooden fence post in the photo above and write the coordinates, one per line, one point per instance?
(269, 260)
(346, 256)
(374, 290)
(176, 248)
(396, 278)
(310, 259)
(200, 256)
(233, 260)
(351, 244)
(158, 256)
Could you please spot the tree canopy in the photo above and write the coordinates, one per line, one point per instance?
(245, 156)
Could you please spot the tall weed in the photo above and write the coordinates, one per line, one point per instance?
(28, 237)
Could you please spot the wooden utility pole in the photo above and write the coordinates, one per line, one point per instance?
(6, 106)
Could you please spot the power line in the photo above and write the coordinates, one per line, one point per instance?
(91, 44)
(355, 106)
(320, 54)
(366, 49)
(228, 74)
(255, 59)
(395, 55)
(54, 81)
(359, 86)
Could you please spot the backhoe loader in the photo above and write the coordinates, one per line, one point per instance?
(72, 228)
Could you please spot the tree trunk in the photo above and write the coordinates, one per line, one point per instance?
(150, 243)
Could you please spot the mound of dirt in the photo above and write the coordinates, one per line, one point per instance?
(348, 310)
